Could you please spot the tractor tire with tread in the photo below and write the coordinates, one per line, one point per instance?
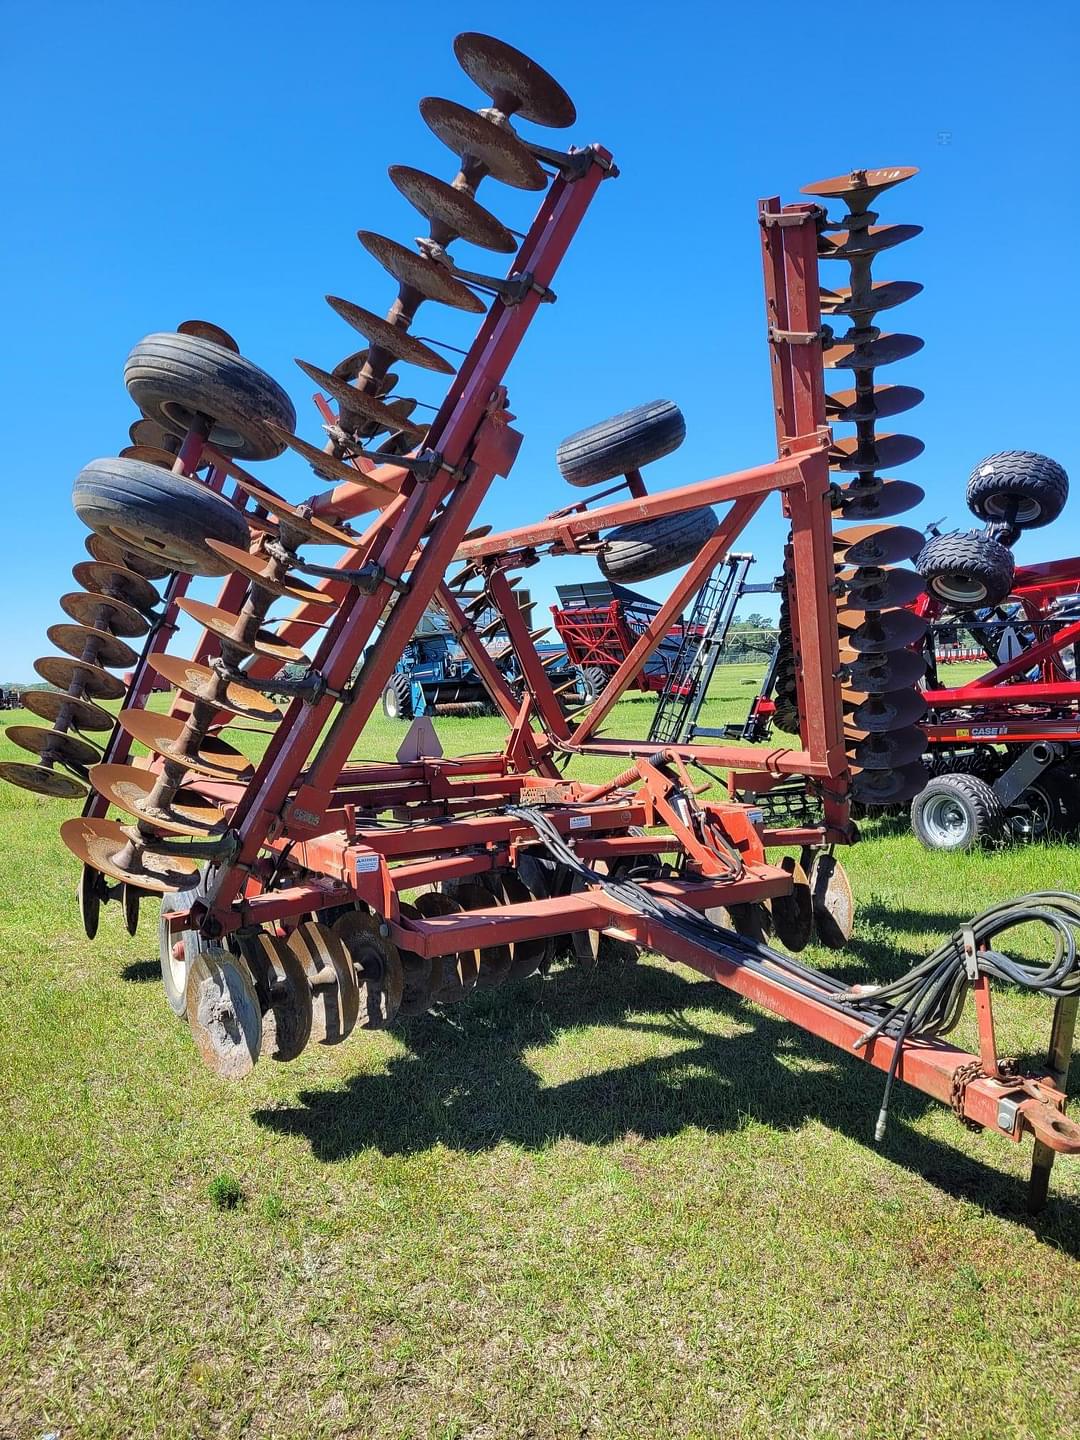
(1037, 485)
(957, 812)
(397, 697)
(649, 548)
(624, 442)
(966, 571)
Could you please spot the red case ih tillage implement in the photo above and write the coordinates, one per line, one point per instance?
(509, 855)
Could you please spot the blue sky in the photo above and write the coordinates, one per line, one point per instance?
(173, 161)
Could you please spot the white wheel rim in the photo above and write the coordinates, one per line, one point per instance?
(946, 821)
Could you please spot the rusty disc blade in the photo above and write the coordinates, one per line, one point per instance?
(356, 405)
(495, 960)
(433, 281)
(150, 455)
(223, 622)
(330, 468)
(879, 499)
(110, 553)
(526, 956)
(894, 748)
(876, 674)
(881, 453)
(203, 683)
(395, 340)
(334, 992)
(128, 788)
(793, 914)
(42, 780)
(459, 970)
(454, 209)
(103, 646)
(98, 843)
(92, 680)
(868, 355)
(894, 711)
(377, 966)
(293, 519)
(259, 571)
(872, 588)
(209, 756)
(51, 705)
(883, 630)
(116, 580)
(207, 330)
(223, 1011)
(286, 1023)
(104, 611)
(889, 787)
(833, 902)
(516, 84)
(149, 432)
(475, 137)
(878, 544)
(858, 187)
(844, 244)
(884, 401)
(57, 745)
(880, 297)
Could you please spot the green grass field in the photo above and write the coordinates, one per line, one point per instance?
(595, 1204)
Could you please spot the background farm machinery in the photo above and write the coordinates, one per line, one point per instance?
(287, 879)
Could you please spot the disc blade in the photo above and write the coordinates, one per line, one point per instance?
(793, 914)
(433, 281)
(207, 330)
(286, 1024)
(203, 683)
(302, 527)
(844, 244)
(103, 611)
(455, 209)
(832, 900)
(392, 338)
(128, 788)
(376, 965)
(116, 580)
(894, 711)
(886, 400)
(885, 350)
(879, 500)
(42, 781)
(329, 971)
(889, 787)
(56, 745)
(208, 756)
(882, 453)
(259, 571)
(474, 137)
(51, 705)
(875, 674)
(100, 647)
(91, 680)
(879, 297)
(223, 1012)
(878, 544)
(99, 843)
(859, 187)
(223, 623)
(355, 404)
(149, 432)
(884, 752)
(882, 630)
(515, 83)
(875, 589)
(330, 468)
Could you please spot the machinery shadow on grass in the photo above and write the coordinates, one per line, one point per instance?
(466, 1085)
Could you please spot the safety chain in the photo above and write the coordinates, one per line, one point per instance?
(963, 1075)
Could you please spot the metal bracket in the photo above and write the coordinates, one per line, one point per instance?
(572, 164)
(971, 953)
(1038, 756)
(794, 337)
(783, 220)
(1008, 1113)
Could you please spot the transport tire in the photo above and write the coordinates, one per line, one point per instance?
(1049, 809)
(624, 442)
(174, 972)
(957, 812)
(649, 548)
(158, 514)
(173, 378)
(966, 571)
(397, 697)
(1035, 484)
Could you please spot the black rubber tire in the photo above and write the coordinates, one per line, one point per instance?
(649, 548)
(966, 571)
(1039, 484)
(164, 516)
(174, 973)
(1052, 802)
(397, 697)
(624, 442)
(591, 681)
(957, 812)
(172, 377)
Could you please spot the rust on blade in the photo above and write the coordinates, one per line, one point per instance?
(475, 137)
(391, 338)
(516, 83)
(433, 281)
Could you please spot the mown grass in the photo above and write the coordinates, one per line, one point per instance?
(588, 1205)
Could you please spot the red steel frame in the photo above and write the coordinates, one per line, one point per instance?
(602, 636)
(306, 827)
